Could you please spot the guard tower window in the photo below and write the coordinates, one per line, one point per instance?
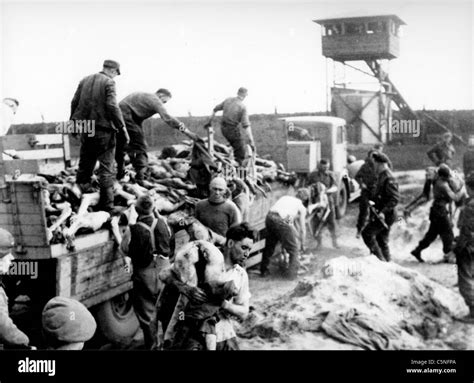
(373, 27)
(354, 28)
(332, 29)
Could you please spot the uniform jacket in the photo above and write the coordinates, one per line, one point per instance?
(441, 153)
(387, 195)
(95, 100)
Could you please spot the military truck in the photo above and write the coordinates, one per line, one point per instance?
(311, 138)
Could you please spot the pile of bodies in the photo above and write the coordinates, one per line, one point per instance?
(176, 180)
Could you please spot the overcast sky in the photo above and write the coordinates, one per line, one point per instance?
(204, 51)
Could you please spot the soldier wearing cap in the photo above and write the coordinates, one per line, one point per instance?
(234, 114)
(468, 158)
(464, 251)
(443, 152)
(67, 324)
(95, 100)
(10, 335)
(440, 217)
(386, 198)
(136, 108)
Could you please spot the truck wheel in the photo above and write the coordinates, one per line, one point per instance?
(341, 201)
(116, 319)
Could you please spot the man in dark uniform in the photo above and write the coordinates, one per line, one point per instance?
(234, 115)
(146, 245)
(443, 152)
(136, 108)
(386, 198)
(328, 179)
(95, 100)
(440, 217)
(464, 251)
(367, 179)
(468, 158)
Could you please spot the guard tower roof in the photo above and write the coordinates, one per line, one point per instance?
(360, 18)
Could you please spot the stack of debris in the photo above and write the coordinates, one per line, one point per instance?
(361, 302)
(176, 180)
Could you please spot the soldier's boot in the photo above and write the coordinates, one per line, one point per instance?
(417, 254)
(335, 244)
(106, 202)
(319, 242)
(292, 272)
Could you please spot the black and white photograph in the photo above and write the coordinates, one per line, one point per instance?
(237, 176)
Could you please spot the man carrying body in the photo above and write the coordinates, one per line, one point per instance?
(464, 251)
(95, 100)
(234, 114)
(239, 242)
(440, 217)
(147, 246)
(136, 108)
(10, 335)
(367, 179)
(216, 212)
(286, 223)
(328, 179)
(443, 152)
(376, 233)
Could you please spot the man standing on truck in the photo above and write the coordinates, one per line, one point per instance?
(10, 335)
(443, 152)
(382, 215)
(136, 108)
(328, 179)
(95, 100)
(234, 115)
(440, 216)
(286, 223)
(147, 246)
(217, 212)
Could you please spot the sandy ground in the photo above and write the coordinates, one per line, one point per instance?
(404, 237)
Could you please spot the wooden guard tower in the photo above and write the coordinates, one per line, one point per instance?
(370, 39)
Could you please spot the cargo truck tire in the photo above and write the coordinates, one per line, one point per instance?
(116, 319)
(341, 205)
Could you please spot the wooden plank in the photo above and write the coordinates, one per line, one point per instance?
(22, 141)
(41, 154)
(94, 257)
(35, 252)
(49, 139)
(53, 166)
(67, 148)
(82, 242)
(26, 208)
(104, 287)
(24, 219)
(106, 295)
(91, 280)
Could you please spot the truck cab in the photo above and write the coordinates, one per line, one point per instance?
(311, 138)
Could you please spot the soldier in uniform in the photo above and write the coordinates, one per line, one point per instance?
(377, 231)
(443, 152)
(440, 217)
(464, 251)
(328, 179)
(367, 179)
